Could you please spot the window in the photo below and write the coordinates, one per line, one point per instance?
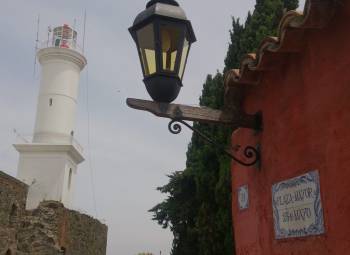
(70, 178)
(57, 43)
(147, 49)
(170, 40)
(184, 55)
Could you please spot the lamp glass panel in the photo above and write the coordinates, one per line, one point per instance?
(170, 41)
(145, 37)
(184, 55)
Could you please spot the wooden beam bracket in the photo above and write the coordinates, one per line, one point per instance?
(178, 114)
(231, 116)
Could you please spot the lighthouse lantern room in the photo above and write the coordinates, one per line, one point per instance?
(49, 163)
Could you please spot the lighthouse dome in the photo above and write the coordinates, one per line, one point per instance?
(64, 37)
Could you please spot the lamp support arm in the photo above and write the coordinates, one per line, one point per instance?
(180, 113)
(249, 151)
(234, 116)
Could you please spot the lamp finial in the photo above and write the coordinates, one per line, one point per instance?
(170, 2)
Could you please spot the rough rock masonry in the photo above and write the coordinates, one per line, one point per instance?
(50, 229)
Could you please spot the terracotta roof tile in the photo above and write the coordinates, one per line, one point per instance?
(291, 38)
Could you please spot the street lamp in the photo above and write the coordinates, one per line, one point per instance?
(163, 36)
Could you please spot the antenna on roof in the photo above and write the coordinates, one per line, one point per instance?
(84, 31)
(74, 24)
(36, 44)
(49, 30)
(19, 136)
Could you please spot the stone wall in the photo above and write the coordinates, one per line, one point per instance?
(85, 235)
(12, 209)
(40, 230)
(51, 229)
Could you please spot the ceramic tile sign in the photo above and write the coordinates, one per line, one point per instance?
(243, 197)
(297, 207)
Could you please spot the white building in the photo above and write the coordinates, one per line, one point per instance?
(49, 163)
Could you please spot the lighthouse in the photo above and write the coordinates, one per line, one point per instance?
(48, 164)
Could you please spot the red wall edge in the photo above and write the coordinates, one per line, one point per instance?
(306, 114)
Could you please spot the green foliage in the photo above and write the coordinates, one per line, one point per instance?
(177, 211)
(263, 22)
(198, 207)
(290, 4)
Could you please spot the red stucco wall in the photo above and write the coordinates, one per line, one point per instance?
(306, 112)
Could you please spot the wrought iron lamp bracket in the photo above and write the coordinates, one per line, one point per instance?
(251, 153)
(179, 114)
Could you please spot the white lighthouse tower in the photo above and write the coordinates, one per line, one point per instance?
(49, 163)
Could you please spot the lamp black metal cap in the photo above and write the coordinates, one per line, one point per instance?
(170, 2)
(163, 88)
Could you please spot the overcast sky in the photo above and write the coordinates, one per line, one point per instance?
(131, 151)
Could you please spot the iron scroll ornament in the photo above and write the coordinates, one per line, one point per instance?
(249, 152)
